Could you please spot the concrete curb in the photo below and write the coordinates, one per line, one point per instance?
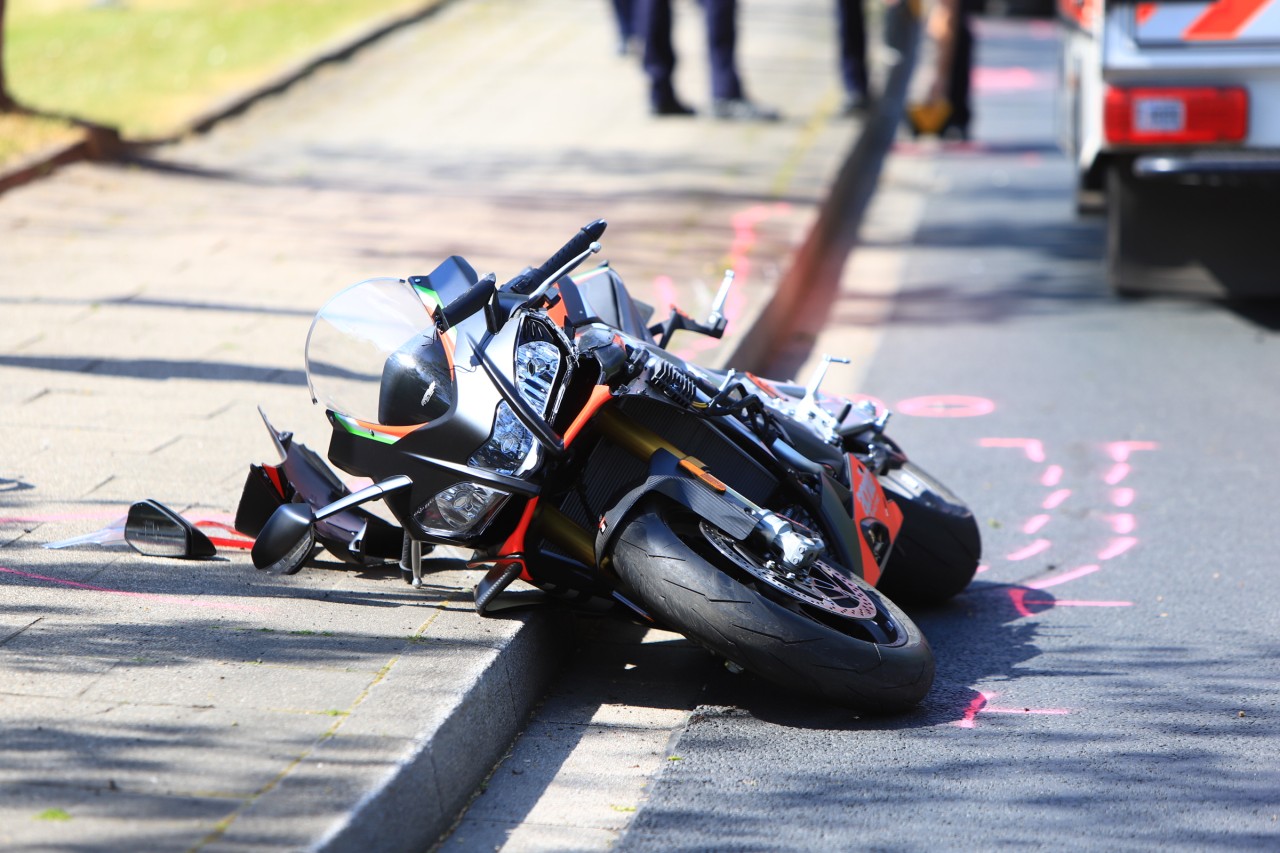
(105, 143)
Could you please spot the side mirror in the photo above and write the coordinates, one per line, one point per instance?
(289, 536)
(476, 297)
(286, 540)
(154, 530)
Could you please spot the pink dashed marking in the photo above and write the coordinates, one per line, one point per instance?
(1034, 523)
(1037, 547)
(1122, 497)
(946, 406)
(1065, 577)
(148, 596)
(1118, 472)
(984, 567)
(1117, 547)
(1055, 499)
(1052, 476)
(1032, 447)
(1122, 523)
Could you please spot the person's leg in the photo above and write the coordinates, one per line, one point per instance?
(853, 52)
(958, 84)
(659, 60)
(722, 38)
(624, 14)
(728, 100)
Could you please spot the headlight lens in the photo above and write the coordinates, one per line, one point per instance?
(510, 449)
(537, 364)
(460, 509)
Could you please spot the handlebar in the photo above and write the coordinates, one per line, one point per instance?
(530, 280)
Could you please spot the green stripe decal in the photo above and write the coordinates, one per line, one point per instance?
(363, 432)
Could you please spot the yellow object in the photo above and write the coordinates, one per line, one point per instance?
(929, 118)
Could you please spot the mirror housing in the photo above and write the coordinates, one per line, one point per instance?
(476, 297)
(286, 540)
(154, 530)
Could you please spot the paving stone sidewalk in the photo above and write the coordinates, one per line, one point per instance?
(149, 307)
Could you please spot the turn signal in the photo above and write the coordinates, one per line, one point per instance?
(1195, 115)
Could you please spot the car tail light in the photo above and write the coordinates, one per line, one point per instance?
(1194, 115)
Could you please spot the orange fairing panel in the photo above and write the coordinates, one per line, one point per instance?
(513, 548)
(869, 501)
(599, 396)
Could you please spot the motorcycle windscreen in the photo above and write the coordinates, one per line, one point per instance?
(374, 354)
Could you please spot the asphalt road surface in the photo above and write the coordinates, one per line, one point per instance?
(1109, 681)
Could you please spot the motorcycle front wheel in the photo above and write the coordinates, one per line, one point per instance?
(937, 550)
(821, 631)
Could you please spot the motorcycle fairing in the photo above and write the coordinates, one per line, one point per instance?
(355, 536)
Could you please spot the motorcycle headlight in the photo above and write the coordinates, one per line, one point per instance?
(510, 448)
(460, 509)
(537, 364)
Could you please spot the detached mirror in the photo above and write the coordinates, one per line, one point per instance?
(286, 540)
(154, 530)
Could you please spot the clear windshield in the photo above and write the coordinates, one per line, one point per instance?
(365, 332)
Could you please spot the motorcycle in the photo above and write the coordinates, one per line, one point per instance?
(543, 425)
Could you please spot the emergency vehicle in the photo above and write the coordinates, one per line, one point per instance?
(1171, 113)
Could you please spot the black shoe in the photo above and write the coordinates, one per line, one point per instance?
(855, 103)
(670, 107)
(740, 109)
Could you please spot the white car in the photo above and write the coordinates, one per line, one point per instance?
(1171, 113)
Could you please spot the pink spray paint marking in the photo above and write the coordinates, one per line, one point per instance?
(1116, 474)
(1034, 523)
(1022, 604)
(1059, 602)
(1032, 447)
(1119, 450)
(1122, 523)
(148, 596)
(1116, 547)
(1065, 577)
(946, 406)
(984, 567)
(1037, 547)
(996, 80)
(59, 516)
(1052, 476)
(1056, 498)
(1122, 497)
(982, 705)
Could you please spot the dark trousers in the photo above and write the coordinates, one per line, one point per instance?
(625, 13)
(654, 17)
(961, 70)
(853, 46)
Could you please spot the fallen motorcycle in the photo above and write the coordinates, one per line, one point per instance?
(543, 425)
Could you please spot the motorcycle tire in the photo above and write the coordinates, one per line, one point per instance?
(938, 548)
(697, 581)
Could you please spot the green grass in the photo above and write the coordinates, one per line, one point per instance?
(148, 66)
(21, 135)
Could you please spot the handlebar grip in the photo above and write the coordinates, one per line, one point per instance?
(578, 243)
(530, 280)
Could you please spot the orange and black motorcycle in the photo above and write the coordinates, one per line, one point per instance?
(543, 425)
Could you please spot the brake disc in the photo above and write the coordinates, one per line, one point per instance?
(820, 585)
